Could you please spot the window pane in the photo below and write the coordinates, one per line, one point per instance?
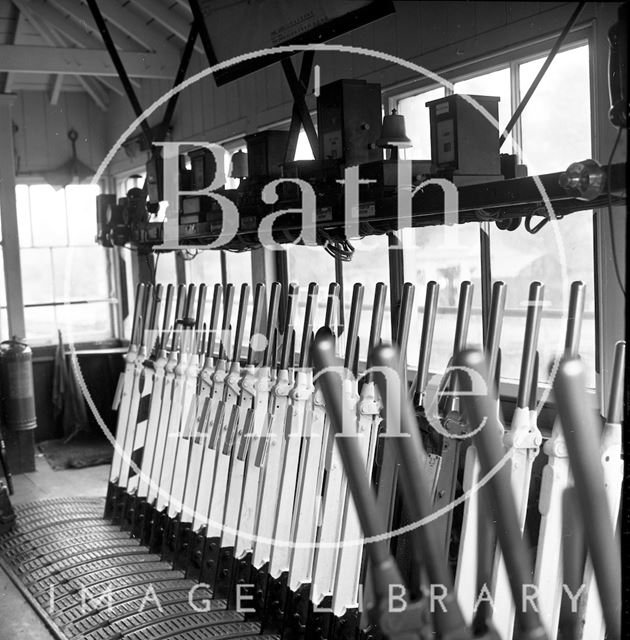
(239, 267)
(41, 326)
(496, 83)
(165, 268)
(448, 255)
(519, 258)
(312, 264)
(303, 149)
(48, 216)
(81, 204)
(417, 123)
(556, 131)
(37, 276)
(556, 124)
(83, 322)
(72, 281)
(206, 268)
(369, 265)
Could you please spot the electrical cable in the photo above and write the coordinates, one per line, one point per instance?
(610, 216)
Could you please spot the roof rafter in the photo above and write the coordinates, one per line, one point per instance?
(135, 26)
(51, 17)
(172, 22)
(83, 17)
(87, 62)
(90, 85)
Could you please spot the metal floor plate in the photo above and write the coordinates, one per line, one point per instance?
(90, 581)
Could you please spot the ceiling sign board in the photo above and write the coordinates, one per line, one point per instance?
(233, 27)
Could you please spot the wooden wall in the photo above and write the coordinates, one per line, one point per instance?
(41, 138)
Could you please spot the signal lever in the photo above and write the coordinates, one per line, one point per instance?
(414, 622)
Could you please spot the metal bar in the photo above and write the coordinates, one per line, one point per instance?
(486, 274)
(426, 341)
(120, 68)
(323, 355)
(530, 342)
(294, 128)
(416, 484)
(300, 104)
(581, 434)
(478, 409)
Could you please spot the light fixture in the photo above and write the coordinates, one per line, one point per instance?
(73, 171)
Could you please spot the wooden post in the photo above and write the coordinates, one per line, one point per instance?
(8, 211)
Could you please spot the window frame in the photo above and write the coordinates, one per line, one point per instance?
(510, 59)
(113, 284)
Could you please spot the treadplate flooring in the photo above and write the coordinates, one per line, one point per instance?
(90, 581)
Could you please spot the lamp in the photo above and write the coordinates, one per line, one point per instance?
(72, 171)
(393, 134)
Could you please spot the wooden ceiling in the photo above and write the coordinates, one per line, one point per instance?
(54, 45)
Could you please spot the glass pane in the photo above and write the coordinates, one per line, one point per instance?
(556, 124)
(239, 267)
(206, 268)
(369, 265)
(23, 207)
(41, 326)
(85, 322)
(81, 206)
(72, 281)
(303, 149)
(417, 123)
(37, 276)
(495, 83)
(519, 258)
(48, 216)
(448, 255)
(165, 268)
(556, 131)
(311, 264)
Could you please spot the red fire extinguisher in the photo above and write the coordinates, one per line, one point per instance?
(16, 378)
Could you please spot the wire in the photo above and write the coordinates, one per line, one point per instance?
(610, 216)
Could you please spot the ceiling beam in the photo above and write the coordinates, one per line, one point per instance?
(51, 37)
(47, 16)
(135, 26)
(171, 21)
(19, 23)
(89, 62)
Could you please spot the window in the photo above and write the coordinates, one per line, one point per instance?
(57, 231)
(555, 130)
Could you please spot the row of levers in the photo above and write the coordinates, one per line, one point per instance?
(246, 419)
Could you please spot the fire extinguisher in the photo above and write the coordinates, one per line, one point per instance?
(17, 392)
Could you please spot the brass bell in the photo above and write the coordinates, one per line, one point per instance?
(393, 134)
(239, 165)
